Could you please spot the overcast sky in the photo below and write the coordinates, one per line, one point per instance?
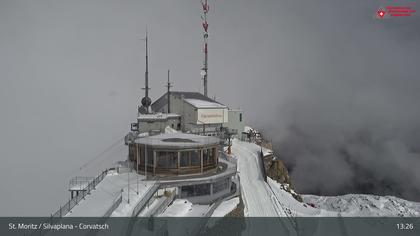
(316, 77)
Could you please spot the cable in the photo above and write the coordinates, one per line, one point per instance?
(109, 148)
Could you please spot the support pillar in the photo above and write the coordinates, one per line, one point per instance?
(179, 161)
(137, 159)
(154, 163)
(201, 159)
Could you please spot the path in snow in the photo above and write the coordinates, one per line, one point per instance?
(258, 198)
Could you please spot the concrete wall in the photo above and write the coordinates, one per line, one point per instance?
(234, 122)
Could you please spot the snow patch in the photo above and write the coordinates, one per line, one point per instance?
(225, 207)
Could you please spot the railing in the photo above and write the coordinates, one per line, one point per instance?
(140, 205)
(234, 161)
(115, 204)
(225, 156)
(75, 200)
(262, 166)
(164, 204)
(79, 182)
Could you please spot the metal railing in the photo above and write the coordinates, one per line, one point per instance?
(115, 204)
(66, 208)
(231, 168)
(165, 203)
(140, 205)
(79, 182)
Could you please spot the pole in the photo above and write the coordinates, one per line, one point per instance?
(145, 161)
(128, 180)
(146, 101)
(168, 94)
(137, 168)
(206, 35)
(147, 70)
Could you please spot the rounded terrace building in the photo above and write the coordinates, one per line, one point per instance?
(175, 154)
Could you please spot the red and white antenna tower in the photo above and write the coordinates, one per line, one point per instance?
(204, 71)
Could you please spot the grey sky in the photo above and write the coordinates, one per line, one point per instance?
(71, 73)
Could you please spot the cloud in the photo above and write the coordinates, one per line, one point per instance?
(351, 122)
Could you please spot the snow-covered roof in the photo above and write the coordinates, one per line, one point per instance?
(178, 140)
(198, 103)
(170, 130)
(157, 116)
(163, 100)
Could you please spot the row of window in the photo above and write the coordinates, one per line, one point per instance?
(195, 190)
(204, 189)
(167, 159)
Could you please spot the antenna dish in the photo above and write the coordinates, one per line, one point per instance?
(146, 102)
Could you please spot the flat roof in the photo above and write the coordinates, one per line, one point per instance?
(163, 100)
(178, 140)
(198, 103)
(157, 116)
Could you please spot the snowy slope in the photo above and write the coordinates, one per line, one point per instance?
(256, 193)
(291, 205)
(262, 199)
(226, 207)
(365, 205)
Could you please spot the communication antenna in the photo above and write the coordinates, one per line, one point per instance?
(204, 71)
(169, 85)
(146, 101)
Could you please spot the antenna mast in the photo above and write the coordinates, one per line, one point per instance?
(204, 71)
(169, 85)
(146, 101)
(146, 74)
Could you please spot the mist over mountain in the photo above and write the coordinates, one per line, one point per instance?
(346, 118)
(334, 161)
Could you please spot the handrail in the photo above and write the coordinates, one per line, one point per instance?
(164, 204)
(117, 201)
(63, 210)
(140, 205)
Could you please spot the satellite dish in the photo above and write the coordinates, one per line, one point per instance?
(146, 101)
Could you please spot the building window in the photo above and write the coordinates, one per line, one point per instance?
(195, 190)
(167, 159)
(190, 158)
(208, 156)
(195, 158)
(221, 185)
(185, 159)
(141, 151)
(149, 156)
(131, 152)
(240, 117)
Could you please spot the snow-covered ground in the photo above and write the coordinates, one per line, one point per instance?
(100, 200)
(365, 205)
(225, 207)
(290, 204)
(184, 208)
(256, 195)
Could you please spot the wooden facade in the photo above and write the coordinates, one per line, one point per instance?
(163, 161)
